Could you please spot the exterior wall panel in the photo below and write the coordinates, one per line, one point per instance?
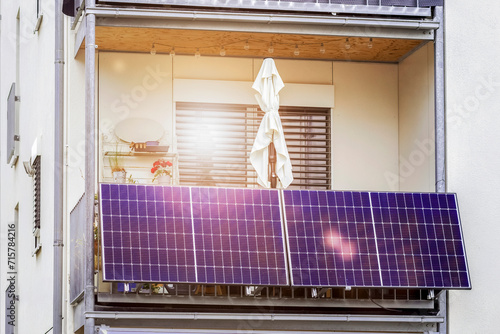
(416, 121)
(472, 113)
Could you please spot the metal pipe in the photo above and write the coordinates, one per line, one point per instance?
(440, 134)
(90, 124)
(58, 169)
(264, 317)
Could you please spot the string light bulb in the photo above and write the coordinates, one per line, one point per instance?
(222, 51)
(247, 46)
(172, 52)
(296, 52)
(370, 43)
(347, 44)
(271, 48)
(153, 50)
(197, 54)
(322, 49)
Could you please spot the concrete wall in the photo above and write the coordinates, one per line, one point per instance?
(365, 103)
(416, 122)
(473, 159)
(36, 90)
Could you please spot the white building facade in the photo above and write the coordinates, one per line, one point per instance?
(409, 91)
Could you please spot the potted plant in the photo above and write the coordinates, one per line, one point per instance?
(115, 162)
(162, 171)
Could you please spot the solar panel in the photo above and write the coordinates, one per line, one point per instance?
(407, 240)
(147, 234)
(330, 239)
(239, 236)
(419, 240)
(192, 235)
(235, 236)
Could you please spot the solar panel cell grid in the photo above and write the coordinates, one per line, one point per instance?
(238, 235)
(145, 239)
(148, 235)
(330, 239)
(235, 236)
(374, 239)
(419, 240)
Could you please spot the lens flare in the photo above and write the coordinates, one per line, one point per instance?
(339, 245)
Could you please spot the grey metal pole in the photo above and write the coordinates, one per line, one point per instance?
(58, 169)
(440, 134)
(89, 167)
(440, 126)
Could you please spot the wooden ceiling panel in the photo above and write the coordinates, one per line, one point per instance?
(210, 43)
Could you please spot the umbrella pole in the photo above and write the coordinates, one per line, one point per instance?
(272, 164)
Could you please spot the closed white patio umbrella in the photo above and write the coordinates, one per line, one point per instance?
(268, 84)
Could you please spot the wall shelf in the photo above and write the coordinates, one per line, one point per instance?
(139, 154)
(140, 163)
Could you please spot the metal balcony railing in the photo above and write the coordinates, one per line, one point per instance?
(284, 298)
(378, 7)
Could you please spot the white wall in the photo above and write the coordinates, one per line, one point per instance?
(473, 157)
(134, 86)
(365, 126)
(75, 133)
(75, 157)
(35, 275)
(416, 122)
(365, 107)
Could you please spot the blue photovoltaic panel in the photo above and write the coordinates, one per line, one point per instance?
(330, 238)
(235, 236)
(192, 235)
(407, 240)
(147, 233)
(420, 240)
(239, 236)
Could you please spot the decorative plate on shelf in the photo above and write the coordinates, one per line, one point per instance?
(139, 130)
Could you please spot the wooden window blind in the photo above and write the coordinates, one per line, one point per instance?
(214, 143)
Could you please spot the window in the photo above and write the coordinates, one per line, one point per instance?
(215, 140)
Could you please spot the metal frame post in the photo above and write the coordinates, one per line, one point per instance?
(440, 134)
(90, 123)
(440, 126)
(57, 292)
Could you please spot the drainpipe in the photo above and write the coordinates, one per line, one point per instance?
(90, 175)
(440, 134)
(58, 169)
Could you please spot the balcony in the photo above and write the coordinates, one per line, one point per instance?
(360, 100)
